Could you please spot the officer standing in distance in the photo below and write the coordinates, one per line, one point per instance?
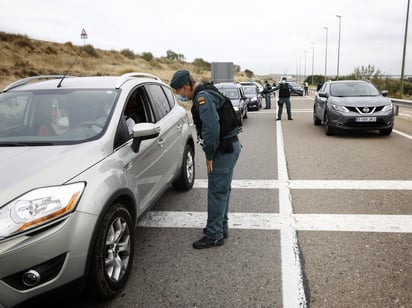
(222, 152)
(284, 98)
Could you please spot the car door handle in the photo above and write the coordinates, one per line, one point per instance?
(161, 142)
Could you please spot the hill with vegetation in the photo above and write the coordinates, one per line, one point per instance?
(22, 56)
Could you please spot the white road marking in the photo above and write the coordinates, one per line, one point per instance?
(293, 291)
(300, 222)
(317, 184)
(402, 134)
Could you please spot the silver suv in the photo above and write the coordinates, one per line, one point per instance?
(74, 180)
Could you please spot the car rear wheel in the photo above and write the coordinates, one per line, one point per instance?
(329, 131)
(112, 258)
(186, 178)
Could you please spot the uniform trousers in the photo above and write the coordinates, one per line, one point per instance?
(218, 192)
(284, 100)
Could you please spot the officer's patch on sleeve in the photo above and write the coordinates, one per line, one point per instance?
(201, 100)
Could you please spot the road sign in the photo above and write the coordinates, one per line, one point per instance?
(83, 35)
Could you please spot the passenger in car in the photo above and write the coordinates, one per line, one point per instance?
(59, 122)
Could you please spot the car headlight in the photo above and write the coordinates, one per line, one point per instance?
(339, 108)
(254, 99)
(236, 108)
(37, 207)
(388, 107)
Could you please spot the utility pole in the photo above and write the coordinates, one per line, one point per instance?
(404, 49)
(337, 71)
(326, 53)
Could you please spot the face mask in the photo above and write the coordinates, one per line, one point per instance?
(283, 81)
(181, 98)
(63, 122)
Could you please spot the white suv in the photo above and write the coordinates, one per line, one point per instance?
(74, 181)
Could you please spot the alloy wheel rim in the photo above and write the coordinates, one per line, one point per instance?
(189, 166)
(117, 249)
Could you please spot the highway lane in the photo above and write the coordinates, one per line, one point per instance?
(315, 220)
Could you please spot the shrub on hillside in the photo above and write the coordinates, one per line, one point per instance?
(89, 49)
(128, 53)
(148, 56)
(24, 42)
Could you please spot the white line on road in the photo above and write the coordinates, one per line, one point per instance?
(269, 221)
(293, 291)
(317, 184)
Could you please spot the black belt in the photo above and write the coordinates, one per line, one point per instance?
(231, 139)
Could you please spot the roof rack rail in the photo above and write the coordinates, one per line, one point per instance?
(24, 81)
(127, 76)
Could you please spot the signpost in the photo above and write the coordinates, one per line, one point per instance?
(83, 36)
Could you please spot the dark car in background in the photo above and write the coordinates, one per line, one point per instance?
(252, 92)
(297, 87)
(236, 94)
(353, 105)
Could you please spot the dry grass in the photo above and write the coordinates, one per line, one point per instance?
(22, 56)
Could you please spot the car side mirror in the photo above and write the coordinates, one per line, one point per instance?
(144, 131)
(323, 94)
(384, 92)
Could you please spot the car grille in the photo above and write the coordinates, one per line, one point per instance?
(365, 110)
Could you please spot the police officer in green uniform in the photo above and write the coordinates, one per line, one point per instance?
(222, 153)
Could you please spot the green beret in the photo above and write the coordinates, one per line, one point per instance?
(180, 78)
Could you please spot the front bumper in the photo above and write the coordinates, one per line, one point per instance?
(348, 121)
(58, 253)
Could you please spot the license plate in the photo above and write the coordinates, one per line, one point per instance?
(365, 119)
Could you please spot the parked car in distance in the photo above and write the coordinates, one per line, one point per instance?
(78, 181)
(235, 93)
(297, 87)
(252, 92)
(353, 105)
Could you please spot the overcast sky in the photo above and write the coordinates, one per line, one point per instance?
(264, 36)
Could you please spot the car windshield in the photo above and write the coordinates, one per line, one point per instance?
(250, 90)
(231, 93)
(54, 116)
(351, 89)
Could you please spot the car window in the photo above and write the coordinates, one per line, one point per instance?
(250, 90)
(158, 100)
(55, 116)
(231, 93)
(170, 96)
(353, 89)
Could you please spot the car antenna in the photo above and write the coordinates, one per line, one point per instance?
(65, 74)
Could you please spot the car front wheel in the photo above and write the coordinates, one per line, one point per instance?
(385, 132)
(112, 258)
(329, 131)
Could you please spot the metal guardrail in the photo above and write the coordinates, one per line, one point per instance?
(400, 102)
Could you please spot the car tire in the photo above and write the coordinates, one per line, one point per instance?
(385, 132)
(329, 131)
(245, 116)
(316, 120)
(186, 178)
(112, 258)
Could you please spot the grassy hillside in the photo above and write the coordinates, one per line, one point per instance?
(22, 56)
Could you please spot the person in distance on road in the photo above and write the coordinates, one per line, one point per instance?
(284, 98)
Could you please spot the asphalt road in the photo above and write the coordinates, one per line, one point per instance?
(315, 221)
